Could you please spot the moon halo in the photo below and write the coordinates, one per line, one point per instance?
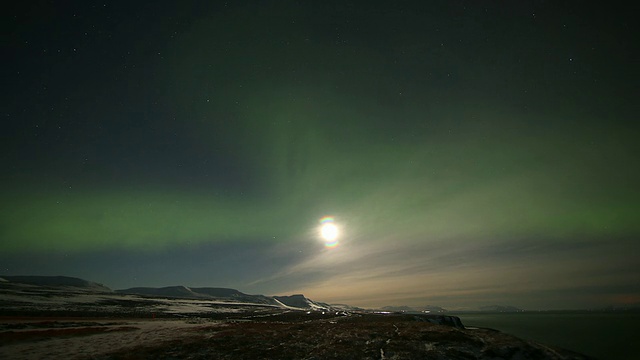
(329, 232)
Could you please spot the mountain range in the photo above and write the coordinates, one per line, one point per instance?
(224, 295)
(55, 281)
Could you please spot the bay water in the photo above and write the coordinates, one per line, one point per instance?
(603, 335)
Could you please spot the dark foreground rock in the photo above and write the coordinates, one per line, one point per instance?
(359, 336)
(70, 319)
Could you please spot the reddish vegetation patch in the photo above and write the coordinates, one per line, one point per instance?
(11, 337)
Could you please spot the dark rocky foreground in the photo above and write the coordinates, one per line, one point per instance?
(358, 336)
(274, 335)
(74, 320)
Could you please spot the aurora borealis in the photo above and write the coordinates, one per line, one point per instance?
(469, 154)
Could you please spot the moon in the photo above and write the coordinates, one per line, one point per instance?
(329, 232)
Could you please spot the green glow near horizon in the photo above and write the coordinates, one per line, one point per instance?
(450, 186)
(324, 133)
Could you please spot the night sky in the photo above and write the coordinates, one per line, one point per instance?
(469, 153)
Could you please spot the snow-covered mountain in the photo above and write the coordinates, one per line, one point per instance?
(55, 281)
(224, 295)
(184, 292)
(299, 301)
(168, 291)
(72, 296)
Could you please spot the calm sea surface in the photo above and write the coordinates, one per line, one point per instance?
(604, 335)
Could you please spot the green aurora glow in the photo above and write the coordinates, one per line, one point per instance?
(470, 154)
(477, 181)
